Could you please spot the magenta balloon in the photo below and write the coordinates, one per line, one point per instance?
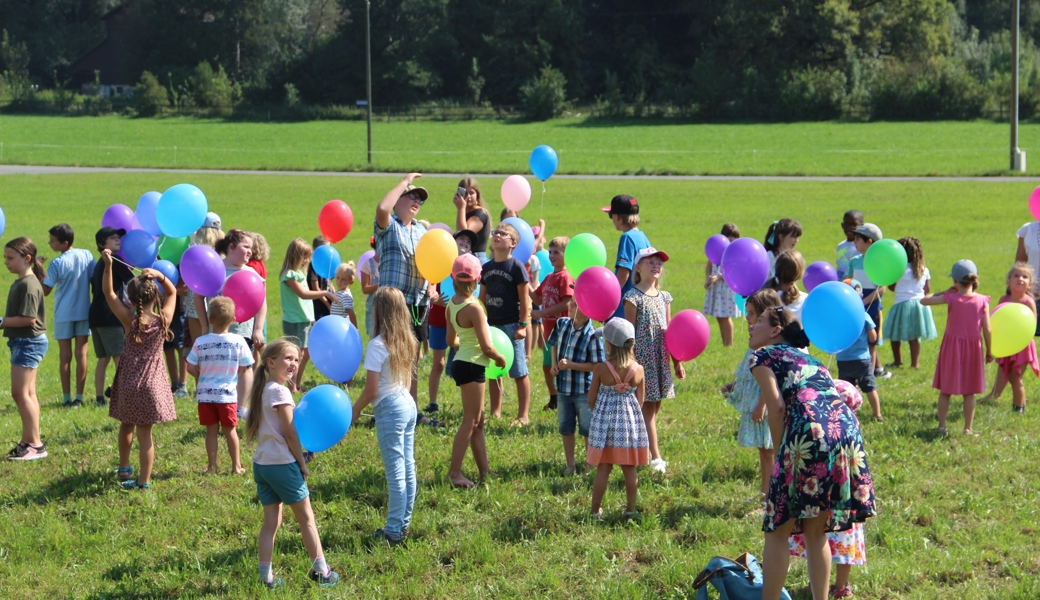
(202, 270)
(745, 266)
(687, 335)
(247, 290)
(597, 293)
(714, 248)
(817, 273)
(1034, 203)
(118, 216)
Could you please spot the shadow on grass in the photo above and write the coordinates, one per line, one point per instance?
(84, 484)
(82, 433)
(196, 433)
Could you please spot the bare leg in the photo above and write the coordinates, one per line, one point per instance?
(944, 409)
(304, 356)
(998, 387)
(841, 577)
(897, 353)
(23, 390)
(171, 364)
(436, 371)
(146, 452)
(81, 364)
(915, 353)
(766, 461)
(211, 448)
(272, 520)
(568, 453)
(308, 527)
(1018, 387)
(650, 410)
(969, 411)
(495, 385)
(550, 381)
(726, 330)
(469, 431)
(875, 404)
(631, 487)
(65, 365)
(231, 435)
(126, 441)
(523, 397)
(818, 554)
(100, 375)
(599, 485)
(776, 558)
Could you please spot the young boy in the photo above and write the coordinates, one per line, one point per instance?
(504, 292)
(854, 362)
(847, 249)
(624, 212)
(575, 351)
(864, 236)
(553, 294)
(105, 328)
(70, 272)
(220, 363)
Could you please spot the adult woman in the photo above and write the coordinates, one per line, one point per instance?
(473, 215)
(237, 248)
(1029, 252)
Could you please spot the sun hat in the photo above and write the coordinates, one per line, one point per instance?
(651, 251)
(962, 268)
(870, 231)
(466, 268)
(618, 331)
(622, 204)
(212, 220)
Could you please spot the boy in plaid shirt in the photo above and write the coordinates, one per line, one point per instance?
(575, 351)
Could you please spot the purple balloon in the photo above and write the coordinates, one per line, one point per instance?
(715, 246)
(745, 266)
(119, 216)
(817, 273)
(203, 270)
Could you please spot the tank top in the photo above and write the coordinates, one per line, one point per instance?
(469, 348)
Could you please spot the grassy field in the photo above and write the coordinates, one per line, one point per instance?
(584, 146)
(957, 519)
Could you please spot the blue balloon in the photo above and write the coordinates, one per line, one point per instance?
(325, 260)
(323, 417)
(335, 348)
(543, 162)
(168, 269)
(181, 210)
(448, 289)
(525, 247)
(146, 207)
(833, 316)
(741, 302)
(544, 263)
(3, 221)
(140, 248)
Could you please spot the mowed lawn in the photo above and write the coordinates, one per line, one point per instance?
(584, 145)
(957, 519)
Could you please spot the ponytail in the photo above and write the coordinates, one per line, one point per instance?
(25, 247)
(255, 417)
(790, 328)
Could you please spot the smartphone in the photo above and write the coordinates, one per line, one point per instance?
(462, 191)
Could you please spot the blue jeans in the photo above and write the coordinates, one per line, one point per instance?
(571, 408)
(395, 429)
(519, 368)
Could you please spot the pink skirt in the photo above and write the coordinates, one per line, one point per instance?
(961, 367)
(1025, 357)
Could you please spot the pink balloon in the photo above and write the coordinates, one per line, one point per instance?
(687, 335)
(597, 293)
(247, 290)
(443, 226)
(516, 193)
(1034, 203)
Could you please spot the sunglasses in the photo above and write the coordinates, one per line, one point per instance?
(415, 198)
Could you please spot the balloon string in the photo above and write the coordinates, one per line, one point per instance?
(541, 209)
(131, 267)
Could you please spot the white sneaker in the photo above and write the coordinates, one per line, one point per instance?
(658, 465)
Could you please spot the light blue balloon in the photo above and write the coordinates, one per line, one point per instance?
(544, 263)
(833, 316)
(325, 260)
(741, 302)
(543, 162)
(147, 205)
(168, 269)
(323, 417)
(335, 348)
(3, 221)
(448, 289)
(525, 247)
(139, 248)
(181, 210)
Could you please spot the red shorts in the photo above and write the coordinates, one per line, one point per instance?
(211, 413)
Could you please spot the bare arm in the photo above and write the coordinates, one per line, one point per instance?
(285, 416)
(641, 388)
(169, 304)
(594, 389)
(630, 312)
(367, 287)
(200, 309)
(47, 289)
(114, 303)
(483, 332)
(622, 275)
(933, 299)
(1020, 253)
(385, 208)
(258, 325)
(560, 308)
(245, 383)
(987, 336)
(709, 279)
(193, 370)
(352, 317)
(306, 294)
(367, 395)
(450, 336)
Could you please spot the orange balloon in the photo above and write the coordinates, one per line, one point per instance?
(435, 254)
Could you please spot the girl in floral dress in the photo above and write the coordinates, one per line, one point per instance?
(720, 302)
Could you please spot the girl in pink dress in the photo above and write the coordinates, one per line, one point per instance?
(961, 367)
(1010, 369)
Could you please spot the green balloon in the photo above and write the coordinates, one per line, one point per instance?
(172, 249)
(583, 251)
(504, 345)
(885, 262)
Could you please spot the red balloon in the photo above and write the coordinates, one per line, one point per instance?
(687, 335)
(247, 290)
(335, 220)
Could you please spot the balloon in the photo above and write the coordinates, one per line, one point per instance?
(442, 227)
(335, 348)
(545, 264)
(885, 262)
(335, 220)
(745, 266)
(323, 417)
(1034, 203)
(714, 248)
(139, 248)
(583, 251)
(168, 269)
(1013, 325)
(817, 273)
(435, 254)
(172, 249)
(525, 247)
(3, 221)
(145, 213)
(325, 260)
(447, 289)
(597, 293)
(516, 192)
(687, 335)
(364, 259)
(182, 210)
(543, 162)
(741, 302)
(504, 345)
(833, 316)
(118, 216)
(202, 270)
(247, 290)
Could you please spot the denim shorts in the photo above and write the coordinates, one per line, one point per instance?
(279, 483)
(859, 373)
(70, 329)
(297, 333)
(28, 352)
(519, 368)
(571, 408)
(177, 328)
(438, 338)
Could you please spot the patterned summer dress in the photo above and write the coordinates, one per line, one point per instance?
(821, 464)
(141, 393)
(720, 301)
(744, 397)
(617, 432)
(651, 321)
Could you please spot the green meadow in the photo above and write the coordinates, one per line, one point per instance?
(958, 516)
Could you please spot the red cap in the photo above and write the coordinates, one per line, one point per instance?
(466, 268)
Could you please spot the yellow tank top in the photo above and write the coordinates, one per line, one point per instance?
(469, 348)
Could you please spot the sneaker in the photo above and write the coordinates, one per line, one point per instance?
(882, 374)
(181, 391)
(274, 584)
(658, 465)
(840, 592)
(28, 452)
(101, 401)
(67, 404)
(380, 534)
(325, 580)
(431, 408)
(78, 402)
(1019, 409)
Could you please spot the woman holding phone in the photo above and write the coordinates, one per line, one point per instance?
(473, 215)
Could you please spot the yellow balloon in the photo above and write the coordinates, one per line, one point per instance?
(1013, 326)
(435, 254)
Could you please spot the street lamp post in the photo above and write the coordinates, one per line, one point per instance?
(368, 74)
(1018, 157)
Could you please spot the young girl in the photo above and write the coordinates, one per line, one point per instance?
(207, 235)
(649, 310)
(469, 332)
(258, 262)
(910, 321)
(278, 466)
(782, 235)
(25, 327)
(743, 393)
(617, 433)
(720, 302)
(141, 393)
(370, 283)
(961, 367)
(297, 308)
(789, 268)
(237, 248)
(1010, 369)
(343, 306)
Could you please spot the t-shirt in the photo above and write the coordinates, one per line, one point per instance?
(554, 289)
(631, 242)
(100, 314)
(25, 299)
(485, 230)
(846, 251)
(860, 349)
(219, 356)
(271, 447)
(259, 267)
(437, 316)
(294, 308)
(795, 308)
(319, 308)
(344, 302)
(69, 275)
(860, 274)
(1030, 234)
(500, 280)
(911, 288)
(377, 358)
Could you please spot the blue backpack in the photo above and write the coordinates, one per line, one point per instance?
(739, 579)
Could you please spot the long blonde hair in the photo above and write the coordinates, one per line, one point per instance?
(271, 351)
(261, 251)
(392, 321)
(620, 356)
(295, 255)
(207, 236)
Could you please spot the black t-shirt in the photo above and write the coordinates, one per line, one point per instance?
(485, 231)
(500, 280)
(100, 314)
(320, 309)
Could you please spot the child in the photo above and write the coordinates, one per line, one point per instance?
(847, 248)
(865, 235)
(370, 283)
(743, 393)
(624, 213)
(505, 294)
(173, 348)
(553, 295)
(207, 235)
(105, 329)
(469, 334)
(220, 363)
(316, 283)
(237, 248)
(649, 310)
(720, 302)
(297, 311)
(70, 273)
(790, 266)
(781, 236)
(1010, 369)
(961, 366)
(257, 262)
(854, 364)
(465, 241)
(141, 394)
(617, 434)
(279, 470)
(910, 321)
(576, 351)
(343, 305)
(25, 327)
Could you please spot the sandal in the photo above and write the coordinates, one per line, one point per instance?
(133, 485)
(125, 474)
(840, 592)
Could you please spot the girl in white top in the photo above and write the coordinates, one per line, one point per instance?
(782, 235)
(909, 320)
(1029, 248)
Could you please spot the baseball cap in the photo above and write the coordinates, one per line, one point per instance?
(466, 268)
(106, 232)
(469, 235)
(423, 194)
(962, 268)
(622, 204)
(854, 283)
(618, 331)
(870, 231)
(651, 251)
(212, 220)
